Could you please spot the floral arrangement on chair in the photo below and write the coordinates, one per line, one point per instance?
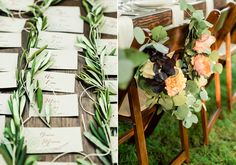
(176, 80)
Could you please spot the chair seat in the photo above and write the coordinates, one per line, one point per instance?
(125, 109)
(222, 50)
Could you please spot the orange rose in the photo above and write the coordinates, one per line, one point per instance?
(176, 83)
(204, 43)
(202, 65)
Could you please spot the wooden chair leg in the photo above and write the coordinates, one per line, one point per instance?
(138, 124)
(204, 126)
(184, 141)
(228, 71)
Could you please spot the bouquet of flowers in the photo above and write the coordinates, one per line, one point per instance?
(176, 81)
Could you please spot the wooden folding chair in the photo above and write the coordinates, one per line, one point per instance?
(222, 32)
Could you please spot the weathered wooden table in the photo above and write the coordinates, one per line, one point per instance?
(87, 103)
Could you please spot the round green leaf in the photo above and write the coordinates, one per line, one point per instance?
(139, 35)
(217, 68)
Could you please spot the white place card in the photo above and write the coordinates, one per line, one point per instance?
(7, 80)
(55, 81)
(111, 65)
(2, 161)
(56, 40)
(10, 40)
(109, 26)
(114, 146)
(9, 24)
(62, 59)
(109, 5)
(110, 45)
(4, 109)
(64, 19)
(114, 118)
(53, 140)
(56, 163)
(59, 105)
(21, 5)
(2, 126)
(8, 61)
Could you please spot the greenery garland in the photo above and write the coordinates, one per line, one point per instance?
(13, 147)
(94, 76)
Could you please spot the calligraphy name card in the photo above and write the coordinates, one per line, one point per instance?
(10, 40)
(59, 105)
(110, 45)
(56, 163)
(8, 61)
(62, 59)
(109, 5)
(56, 40)
(4, 109)
(9, 24)
(55, 81)
(21, 5)
(114, 116)
(53, 140)
(64, 19)
(109, 26)
(111, 65)
(7, 80)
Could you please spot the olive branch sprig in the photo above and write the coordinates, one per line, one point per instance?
(93, 75)
(13, 147)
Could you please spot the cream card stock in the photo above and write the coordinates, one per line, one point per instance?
(53, 140)
(7, 80)
(10, 40)
(9, 24)
(62, 59)
(21, 5)
(109, 26)
(56, 40)
(2, 126)
(64, 19)
(58, 105)
(4, 109)
(56, 163)
(111, 65)
(114, 146)
(114, 118)
(109, 5)
(8, 61)
(110, 45)
(55, 81)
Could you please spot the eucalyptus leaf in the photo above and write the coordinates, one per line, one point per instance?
(182, 112)
(139, 35)
(158, 33)
(180, 99)
(218, 68)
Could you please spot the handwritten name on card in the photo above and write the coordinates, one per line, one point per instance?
(59, 57)
(9, 24)
(56, 40)
(7, 80)
(10, 40)
(114, 117)
(21, 5)
(111, 65)
(53, 140)
(8, 61)
(59, 105)
(109, 5)
(55, 81)
(56, 163)
(110, 45)
(64, 19)
(4, 109)
(109, 26)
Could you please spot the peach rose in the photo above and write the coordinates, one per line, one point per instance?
(147, 70)
(176, 83)
(204, 43)
(202, 65)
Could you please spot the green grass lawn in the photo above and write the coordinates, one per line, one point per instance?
(164, 144)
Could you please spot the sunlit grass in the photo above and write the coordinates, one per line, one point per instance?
(164, 144)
